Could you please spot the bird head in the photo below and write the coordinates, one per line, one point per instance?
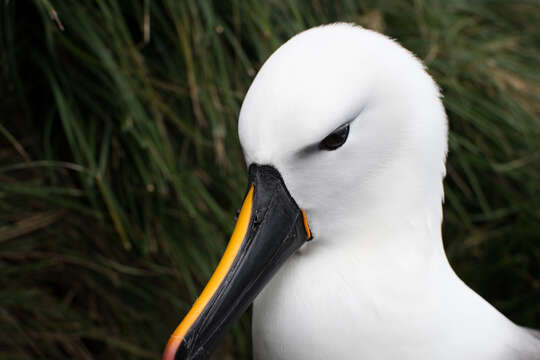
(339, 125)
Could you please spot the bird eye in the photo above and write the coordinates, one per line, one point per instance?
(335, 139)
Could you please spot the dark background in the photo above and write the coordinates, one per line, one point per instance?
(120, 168)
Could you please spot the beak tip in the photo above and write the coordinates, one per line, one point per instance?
(170, 350)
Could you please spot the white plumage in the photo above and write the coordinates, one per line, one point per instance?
(375, 282)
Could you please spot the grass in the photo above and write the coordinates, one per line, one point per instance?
(120, 168)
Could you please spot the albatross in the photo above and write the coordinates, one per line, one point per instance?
(338, 241)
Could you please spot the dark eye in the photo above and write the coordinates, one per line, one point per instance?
(335, 139)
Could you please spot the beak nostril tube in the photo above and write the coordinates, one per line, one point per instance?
(258, 217)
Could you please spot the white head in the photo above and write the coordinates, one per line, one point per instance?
(394, 155)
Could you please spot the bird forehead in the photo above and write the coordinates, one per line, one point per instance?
(308, 87)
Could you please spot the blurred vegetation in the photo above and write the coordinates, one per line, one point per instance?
(120, 168)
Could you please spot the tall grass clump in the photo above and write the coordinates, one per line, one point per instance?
(120, 168)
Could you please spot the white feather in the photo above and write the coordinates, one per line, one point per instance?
(375, 282)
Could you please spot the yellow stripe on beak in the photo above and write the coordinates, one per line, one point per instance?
(223, 267)
(306, 226)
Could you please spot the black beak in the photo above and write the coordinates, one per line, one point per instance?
(269, 229)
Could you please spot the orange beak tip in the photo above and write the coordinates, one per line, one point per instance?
(170, 349)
